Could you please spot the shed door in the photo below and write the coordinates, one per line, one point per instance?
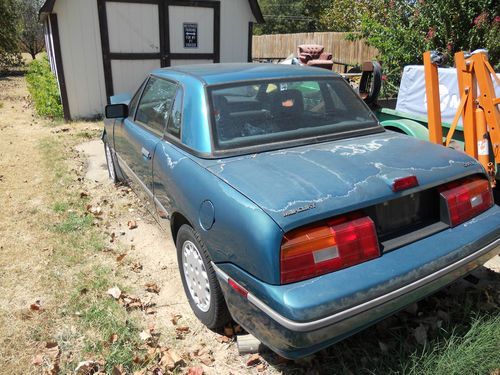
(138, 36)
(131, 37)
(193, 32)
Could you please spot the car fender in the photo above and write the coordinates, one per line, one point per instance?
(408, 127)
(240, 232)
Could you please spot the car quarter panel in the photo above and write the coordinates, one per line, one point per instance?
(242, 233)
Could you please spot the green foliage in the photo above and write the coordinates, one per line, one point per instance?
(9, 34)
(345, 15)
(42, 85)
(402, 30)
(291, 16)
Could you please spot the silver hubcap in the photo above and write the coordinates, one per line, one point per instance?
(111, 167)
(196, 276)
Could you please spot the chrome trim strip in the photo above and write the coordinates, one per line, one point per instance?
(345, 314)
(220, 273)
(162, 207)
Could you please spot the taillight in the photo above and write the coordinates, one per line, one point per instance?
(326, 247)
(404, 183)
(466, 198)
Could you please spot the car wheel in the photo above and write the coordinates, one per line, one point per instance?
(110, 161)
(199, 279)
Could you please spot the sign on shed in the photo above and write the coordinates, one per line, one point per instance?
(190, 35)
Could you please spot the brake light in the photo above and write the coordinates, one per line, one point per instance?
(326, 247)
(466, 198)
(404, 183)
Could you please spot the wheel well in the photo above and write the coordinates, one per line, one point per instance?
(394, 129)
(176, 222)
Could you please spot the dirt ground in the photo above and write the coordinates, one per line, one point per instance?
(153, 249)
(145, 254)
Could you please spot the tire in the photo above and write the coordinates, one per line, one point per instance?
(206, 301)
(111, 163)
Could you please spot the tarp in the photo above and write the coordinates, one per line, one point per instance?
(412, 98)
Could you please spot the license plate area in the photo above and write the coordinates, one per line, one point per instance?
(406, 219)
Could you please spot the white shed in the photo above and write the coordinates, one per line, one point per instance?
(101, 47)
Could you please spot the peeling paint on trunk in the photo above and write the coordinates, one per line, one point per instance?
(338, 176)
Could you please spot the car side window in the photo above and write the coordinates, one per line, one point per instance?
(156, 103)
(175, 120)
(135, 100)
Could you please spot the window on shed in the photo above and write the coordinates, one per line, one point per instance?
(175, 121)
(156, 104)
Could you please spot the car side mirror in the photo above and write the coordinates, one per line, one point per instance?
(116, 111)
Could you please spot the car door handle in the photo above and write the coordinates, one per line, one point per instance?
(146, 153)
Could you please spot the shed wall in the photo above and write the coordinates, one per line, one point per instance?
(235, 16)
(81, 55)
(81, 47)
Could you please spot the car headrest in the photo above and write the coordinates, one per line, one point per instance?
(221, 104)
(288, 103)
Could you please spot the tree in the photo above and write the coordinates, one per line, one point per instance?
(32, 39)
(404, 29)
(346, 15)
(291, 16)
(9, 50)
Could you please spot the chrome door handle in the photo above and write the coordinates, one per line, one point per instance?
(146, 153)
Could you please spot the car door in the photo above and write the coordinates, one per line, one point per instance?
(138, 135)
(167, 160)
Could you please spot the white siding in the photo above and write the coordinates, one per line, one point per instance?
(234, 18)
(189, 62)
(81, 55)
(204, 17)
(133, 27)
(129, 74)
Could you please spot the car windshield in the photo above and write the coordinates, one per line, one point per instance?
(260, 113)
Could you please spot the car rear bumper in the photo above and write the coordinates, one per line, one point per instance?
(292, 337)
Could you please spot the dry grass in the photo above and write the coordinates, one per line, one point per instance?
(53, 272)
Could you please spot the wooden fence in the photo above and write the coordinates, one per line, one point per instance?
(344, 52)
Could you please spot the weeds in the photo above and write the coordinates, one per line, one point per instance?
(74, 223)
(42, 85)
(60, 207)
(476, 352)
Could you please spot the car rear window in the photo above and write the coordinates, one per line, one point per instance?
(264, 112)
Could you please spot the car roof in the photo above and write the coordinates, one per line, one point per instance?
(214, 74)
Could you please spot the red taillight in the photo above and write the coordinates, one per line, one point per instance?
(326, 247)
(404, 183)
(466, 198)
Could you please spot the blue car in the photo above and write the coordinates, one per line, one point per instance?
(292, 210)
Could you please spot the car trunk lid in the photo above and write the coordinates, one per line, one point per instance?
(300, 185)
